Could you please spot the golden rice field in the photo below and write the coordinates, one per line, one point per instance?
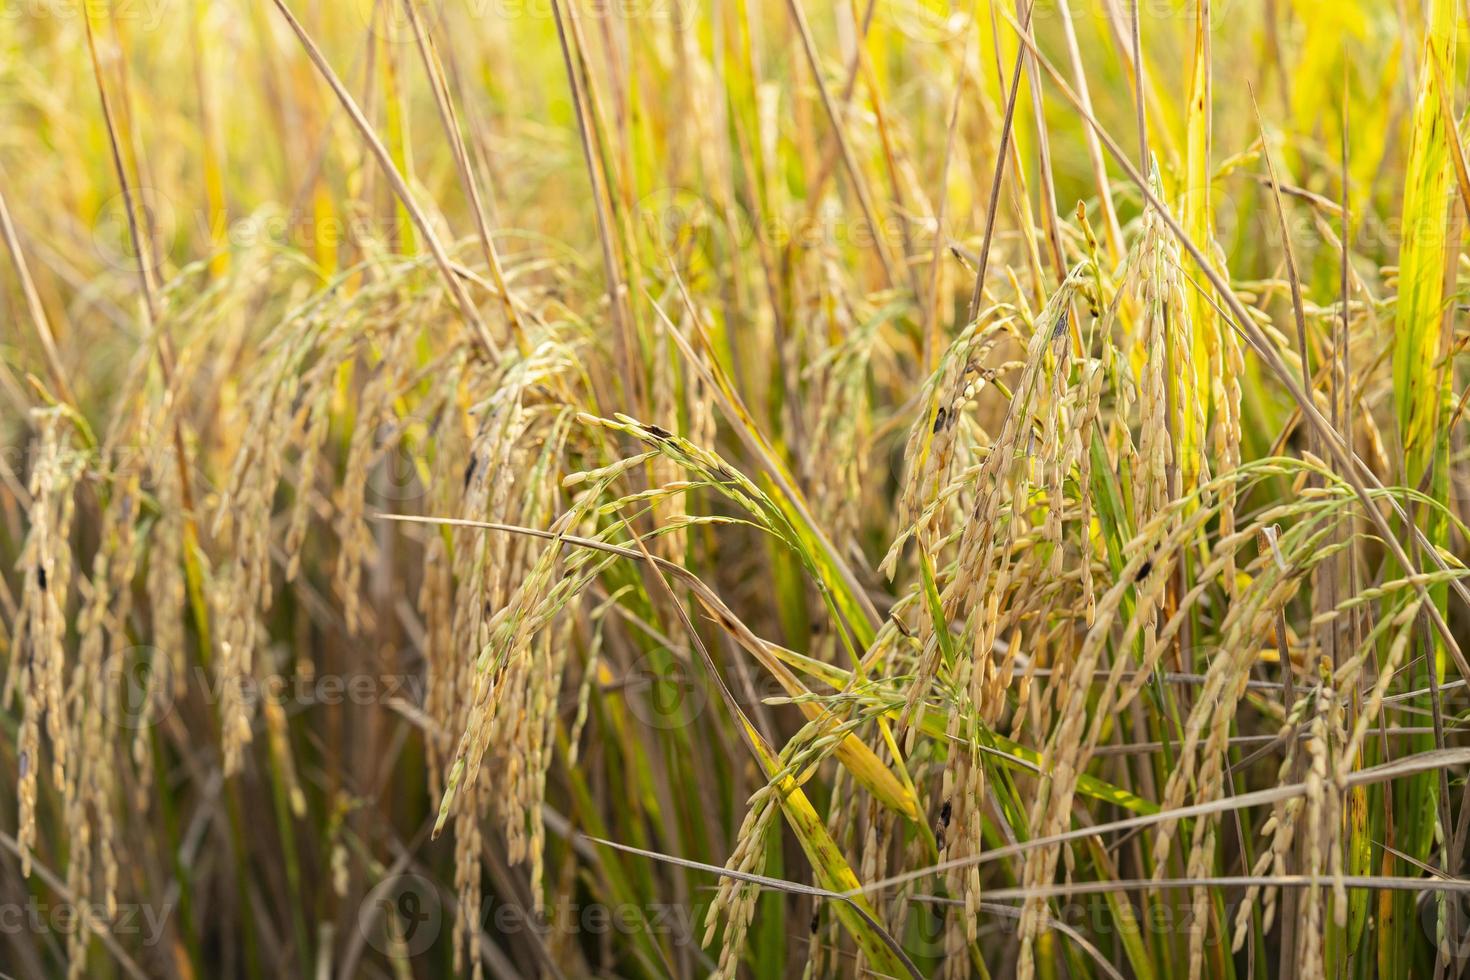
(736, 488)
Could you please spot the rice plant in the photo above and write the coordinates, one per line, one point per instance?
(738, 488)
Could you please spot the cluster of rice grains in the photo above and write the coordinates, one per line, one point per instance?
(41, 623)
(77, 699)
(498, 705)
(1032, 588)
